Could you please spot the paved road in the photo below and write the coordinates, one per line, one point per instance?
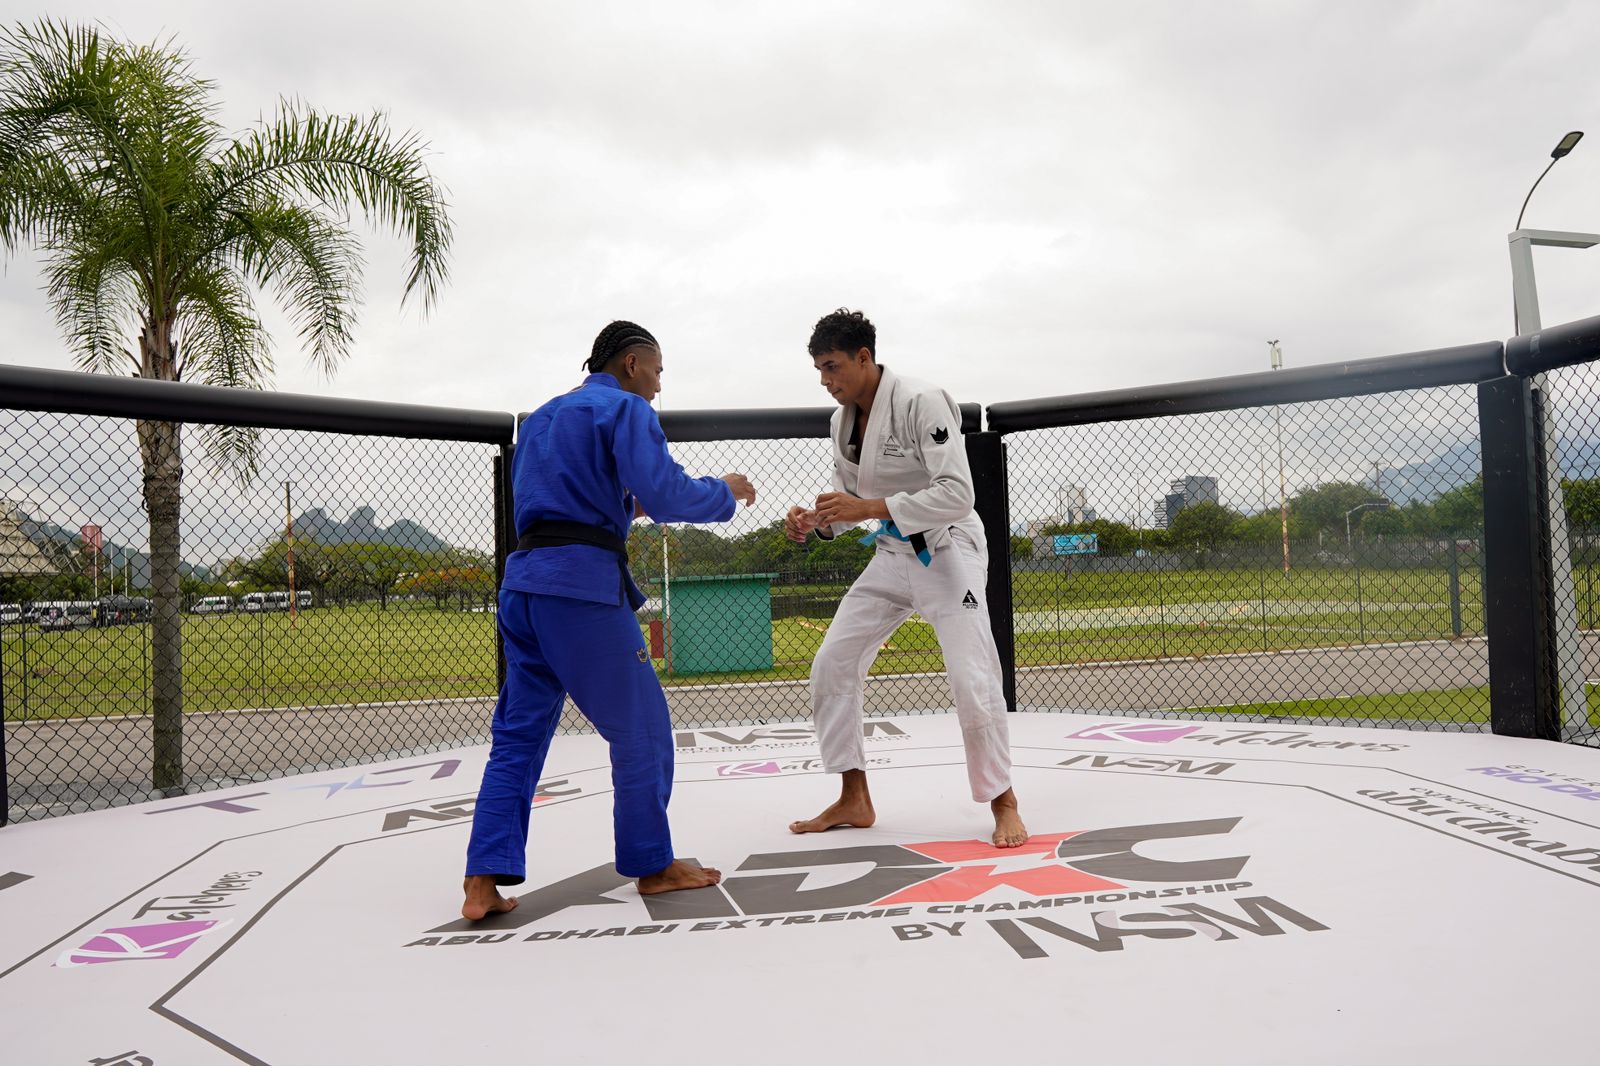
(73, 764)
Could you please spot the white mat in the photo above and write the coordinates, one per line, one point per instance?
(1194, 893)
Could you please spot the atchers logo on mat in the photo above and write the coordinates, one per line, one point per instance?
(1167, 732)
(731, 738)
(749, 769)
(938, 878)
(138, 943)
(773, 767)
(1143, 732)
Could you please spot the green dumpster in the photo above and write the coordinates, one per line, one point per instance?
(720, 624)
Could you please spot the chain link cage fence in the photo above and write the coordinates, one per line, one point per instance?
(334, 605)
(1569, 410)
(1316, 561)
(1307, 562)
(382, 642)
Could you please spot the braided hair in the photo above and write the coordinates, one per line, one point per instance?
(614, 340)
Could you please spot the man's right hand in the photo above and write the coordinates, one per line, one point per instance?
(798, 523)
(742, 489)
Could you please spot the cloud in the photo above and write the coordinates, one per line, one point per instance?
(1029, 198)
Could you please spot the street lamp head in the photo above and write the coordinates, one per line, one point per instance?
(1563, 146)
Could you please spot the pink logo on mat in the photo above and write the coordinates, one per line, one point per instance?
(1143, 732)
(165, 941)
(749, 769)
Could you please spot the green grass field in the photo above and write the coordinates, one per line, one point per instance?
(353, 655)
(413, 652)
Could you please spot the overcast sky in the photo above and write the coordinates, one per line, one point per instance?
(1028, 198)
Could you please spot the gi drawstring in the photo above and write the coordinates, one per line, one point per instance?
(918, 542)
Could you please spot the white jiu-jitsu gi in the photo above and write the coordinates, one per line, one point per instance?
(912, 455)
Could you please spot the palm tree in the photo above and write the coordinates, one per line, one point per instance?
(156, 228)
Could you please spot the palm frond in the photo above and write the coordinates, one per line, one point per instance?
(119, 124)
(221, 341)
(219, 335)
(97, 300)
(343, 160)
(232, 450)
(313, 264)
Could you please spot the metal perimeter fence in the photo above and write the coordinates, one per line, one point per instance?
(1400, 541)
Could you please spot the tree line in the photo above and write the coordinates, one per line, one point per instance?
(336, 574)
(1315, 513)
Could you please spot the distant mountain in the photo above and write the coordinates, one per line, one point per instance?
(362, 528)
(1577, 457)
(58, 542)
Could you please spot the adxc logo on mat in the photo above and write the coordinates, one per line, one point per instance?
(134, 943)
(938, 878)
(1143, 732)
(887, 875)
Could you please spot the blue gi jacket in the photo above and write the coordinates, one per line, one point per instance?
(584, 457)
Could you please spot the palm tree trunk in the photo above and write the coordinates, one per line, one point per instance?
(160, 444)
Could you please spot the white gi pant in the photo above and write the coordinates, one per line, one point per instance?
(949, 594)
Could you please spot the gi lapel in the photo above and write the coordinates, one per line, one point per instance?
(879, 424)
(849, 469)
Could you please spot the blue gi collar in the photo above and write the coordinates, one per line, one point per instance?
(604, 380)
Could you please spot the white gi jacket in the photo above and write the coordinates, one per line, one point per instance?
(913, 456)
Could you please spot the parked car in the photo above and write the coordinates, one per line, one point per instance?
(274, 601)
(121, 610)
(255, 602)
(75, 614)
(10, 614)
(212, 605)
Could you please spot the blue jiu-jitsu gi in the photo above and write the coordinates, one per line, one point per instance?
(567, 619)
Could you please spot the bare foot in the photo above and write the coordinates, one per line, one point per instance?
(1009, 832)
(856, 812)
(679, 875)
(484, 898)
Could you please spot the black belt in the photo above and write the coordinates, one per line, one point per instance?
(557, 534)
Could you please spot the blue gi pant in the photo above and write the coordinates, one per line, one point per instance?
(553, 646)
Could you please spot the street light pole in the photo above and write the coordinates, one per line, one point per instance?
(1283, 483)
(1353, 510)
(1570, 672)
(288, 540)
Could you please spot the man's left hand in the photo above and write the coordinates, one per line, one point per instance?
(842, 507)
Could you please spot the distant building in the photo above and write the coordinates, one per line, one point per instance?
(1185, 492)
(1193, 489)
(1072, 505)
(1072, 509)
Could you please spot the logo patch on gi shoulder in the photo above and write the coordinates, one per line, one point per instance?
(969, 601)
(940, 435)
(643, 655)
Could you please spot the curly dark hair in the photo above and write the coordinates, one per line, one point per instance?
(843, 330)
(615, 340)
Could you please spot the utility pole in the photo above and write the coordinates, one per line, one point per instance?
(1283, 481)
